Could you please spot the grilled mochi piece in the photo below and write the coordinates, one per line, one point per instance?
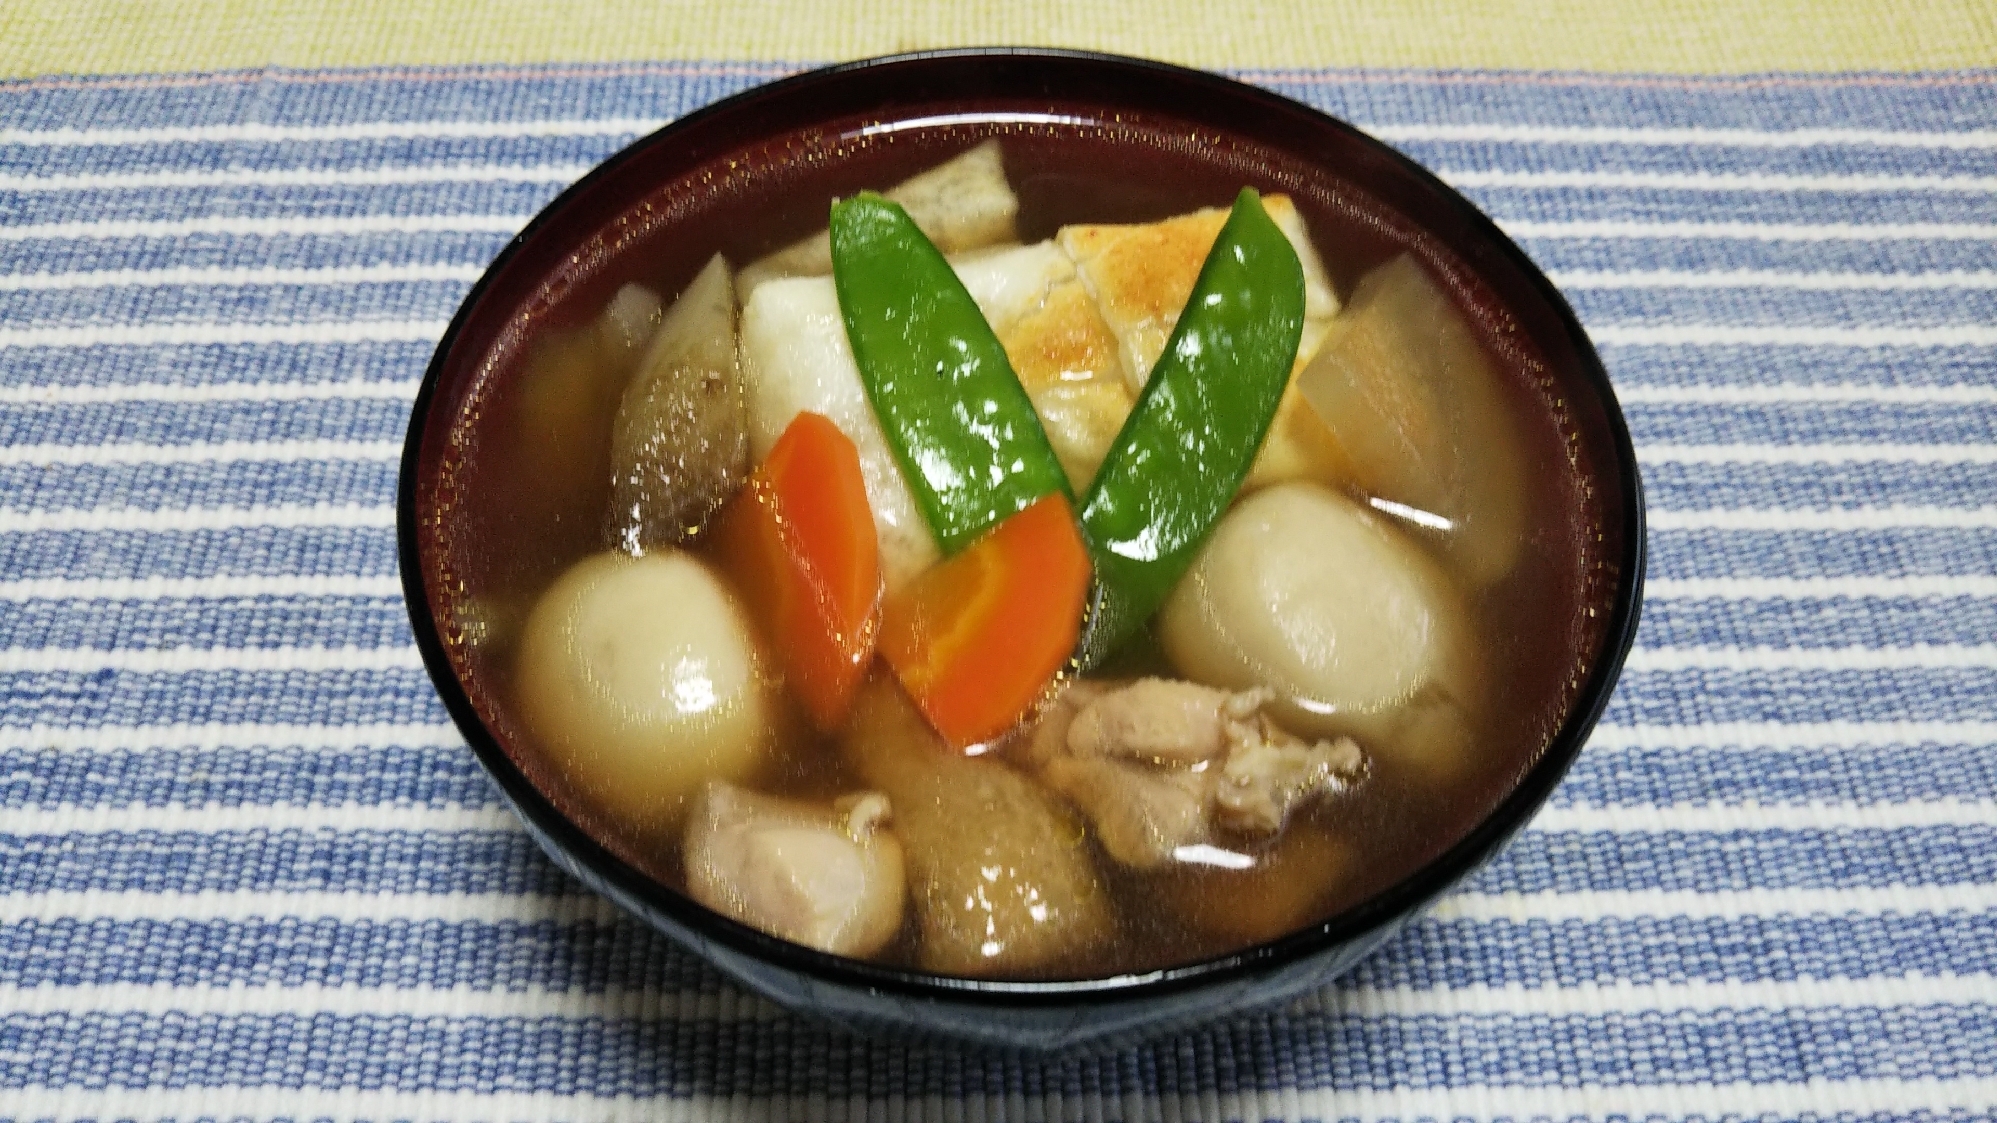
(1058, 344)
(962, 204)
(795, 357)
(1141, 275)
(830, 878)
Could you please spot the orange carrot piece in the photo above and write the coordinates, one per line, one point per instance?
(800, 540)
(977, 638)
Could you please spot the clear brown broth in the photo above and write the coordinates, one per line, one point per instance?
(520, 506)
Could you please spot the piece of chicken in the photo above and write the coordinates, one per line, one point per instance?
(1266, 776)
(1164, 721)
(1160, 766)
(828, 878)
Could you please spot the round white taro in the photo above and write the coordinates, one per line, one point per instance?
(640, 678)
(1305, 592)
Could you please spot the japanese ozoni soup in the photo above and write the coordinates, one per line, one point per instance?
(1025, 572)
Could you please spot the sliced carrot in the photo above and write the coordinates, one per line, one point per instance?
(976, 639)
(800, 540)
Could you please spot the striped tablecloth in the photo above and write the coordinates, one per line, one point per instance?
(247, 870)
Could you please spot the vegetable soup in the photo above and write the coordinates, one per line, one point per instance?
(1028, 571)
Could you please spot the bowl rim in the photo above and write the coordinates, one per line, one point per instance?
(1373, 915)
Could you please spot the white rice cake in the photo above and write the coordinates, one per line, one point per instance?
(795, 358)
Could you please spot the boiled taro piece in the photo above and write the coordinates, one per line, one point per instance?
(640, 679)
(1304, 592)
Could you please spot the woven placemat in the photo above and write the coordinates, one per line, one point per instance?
(247, 870)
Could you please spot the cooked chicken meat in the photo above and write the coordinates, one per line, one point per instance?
(1265, 777)
(1160, 766)
(1142, 816)
(1161, 720)
(828, 878)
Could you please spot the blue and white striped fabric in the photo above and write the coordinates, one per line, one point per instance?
(248, 871)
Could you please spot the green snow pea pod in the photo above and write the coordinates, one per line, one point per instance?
(955, 415)
(1194, 432)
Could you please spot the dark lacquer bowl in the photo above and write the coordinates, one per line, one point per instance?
(774, 154)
